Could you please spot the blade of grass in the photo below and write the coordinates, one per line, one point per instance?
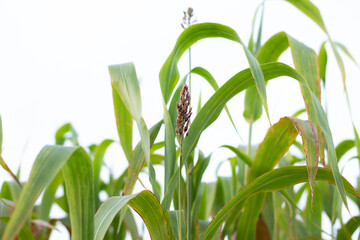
(274, 180)
(169, 74)
(211, 80)
(240, 154)
(144, 203)
(62, 134)
(137, 161)
(77, 169)
(349, 228)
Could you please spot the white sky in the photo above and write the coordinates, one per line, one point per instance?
(54, 57)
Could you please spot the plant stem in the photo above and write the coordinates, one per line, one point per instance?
(188, 210)
(190, 71)
(189, 174)
(248, 150)
(179, 197)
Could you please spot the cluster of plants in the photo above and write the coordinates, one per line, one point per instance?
(257, 201)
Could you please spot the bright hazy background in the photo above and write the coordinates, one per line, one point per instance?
(54, 57)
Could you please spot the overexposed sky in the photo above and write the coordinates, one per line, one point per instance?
(54, 57)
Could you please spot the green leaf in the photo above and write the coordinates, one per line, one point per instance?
(124, 123)
(312, 214)
(349, 228)
(323, 123)
(79, 180)
(170, 148)
(310, 141)
(345, 50)
(99, 154)
(49, 197)
(207, 200)
(343, 148)
(144, 203)
(77, 170)
(239, 82)
(211, 80)
(310, 10)
(169, 74)
(126, 84)
(174, 219)
(275, 144)
(240, 154)
(252, 105)
(138, 159)
(274, 180)
(282, 135)
(66, 132)
(249, 218)
(323, 62)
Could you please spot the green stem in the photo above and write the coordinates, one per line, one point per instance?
(190, 71)
(248, 150)
(188, 210)
(179, 197)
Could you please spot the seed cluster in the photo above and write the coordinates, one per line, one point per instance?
(183, 112)
(188, 18)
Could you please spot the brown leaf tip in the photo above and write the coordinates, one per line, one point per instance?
(183, 112)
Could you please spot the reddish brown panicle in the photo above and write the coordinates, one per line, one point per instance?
(183, 112)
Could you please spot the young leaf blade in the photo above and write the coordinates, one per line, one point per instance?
(142, 202)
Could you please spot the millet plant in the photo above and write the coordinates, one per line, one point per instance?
(256, 201)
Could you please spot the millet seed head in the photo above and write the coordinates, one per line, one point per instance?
(183, 112)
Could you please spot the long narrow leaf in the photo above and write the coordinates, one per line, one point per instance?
(124, 123)
(49, 162)
(169, 74)
(144, 203)
(274, 180)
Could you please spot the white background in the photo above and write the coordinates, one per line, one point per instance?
(54, 57)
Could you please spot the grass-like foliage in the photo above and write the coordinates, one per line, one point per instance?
(256, 201)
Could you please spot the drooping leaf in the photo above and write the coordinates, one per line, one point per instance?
(310, 141)
(66, 132)
(169, 74)
(276, 179)
(239, 82)
(211, 80)
(345, 50)
(310, 10)
(343, 148)
(240, 154)
(144, 203)
(77, 170)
